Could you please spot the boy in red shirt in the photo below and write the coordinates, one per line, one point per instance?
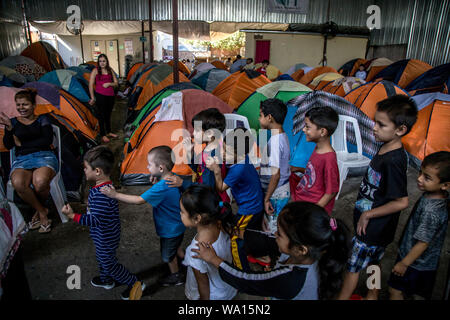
(320, 182)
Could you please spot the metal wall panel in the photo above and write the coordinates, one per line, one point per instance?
(12, 39)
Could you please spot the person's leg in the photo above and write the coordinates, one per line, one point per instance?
(21, 180)
(349, 285)
(100, 106)
(395, 294)
(42, 178)
(173, 265)
(108, 112)
(372, 294)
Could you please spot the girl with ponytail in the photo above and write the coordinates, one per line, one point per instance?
(314, 251)
(202, 208)
(31, 136)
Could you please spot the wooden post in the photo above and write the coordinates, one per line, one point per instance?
(150, 29)
(176, 78)
(143, 43)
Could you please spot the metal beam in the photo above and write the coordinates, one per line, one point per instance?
(176, 78)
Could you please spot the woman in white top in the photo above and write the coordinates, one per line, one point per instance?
(202, 209)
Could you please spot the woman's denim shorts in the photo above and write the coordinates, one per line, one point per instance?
(36, 160)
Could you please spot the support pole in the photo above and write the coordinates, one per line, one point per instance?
(143, 43)
(81, 43)
(150, 29)
(176, 78)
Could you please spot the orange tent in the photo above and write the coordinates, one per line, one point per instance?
(309, 76)
(181, 67)
(297, 75)
(157, 79)
(93, 63)
(133, 69)
(239, 86)
(367, 96)
(219, 65)
(375, 66)
(342, 86)
(45, 55)
(150, 134)
(403, 72)
(431, 131)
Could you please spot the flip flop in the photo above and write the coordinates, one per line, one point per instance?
(46, 228)
(136, 291)
(112, 136)
(33, 225)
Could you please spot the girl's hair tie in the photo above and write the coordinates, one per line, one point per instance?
(221, 204)
(333, 224)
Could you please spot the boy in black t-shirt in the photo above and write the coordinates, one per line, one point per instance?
(382, 193)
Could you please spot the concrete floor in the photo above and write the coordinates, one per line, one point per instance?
(47, 256)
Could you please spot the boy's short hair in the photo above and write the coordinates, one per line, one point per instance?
(324, 117)
(250, 59)
(100, 157)
(276, 108)
(401, 110)
(235, 138)
(211, 118)
(265, 61)
(162, 156)
(441, 160)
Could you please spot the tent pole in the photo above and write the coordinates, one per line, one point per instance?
(143, 43)
(176, 78)
(25, 26)
(150, 29)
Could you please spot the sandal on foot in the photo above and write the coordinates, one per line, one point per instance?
(105, 139)
(33, 225)
(46, 228)
(112, 135)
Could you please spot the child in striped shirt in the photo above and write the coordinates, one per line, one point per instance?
(103, 219)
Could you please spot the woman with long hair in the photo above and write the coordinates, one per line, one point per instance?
(104, 80)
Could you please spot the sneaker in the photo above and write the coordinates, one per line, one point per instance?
(133, 293)
(97, 282)
(174, 279)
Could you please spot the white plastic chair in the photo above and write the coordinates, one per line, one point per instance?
(345, 159)
(57, 189)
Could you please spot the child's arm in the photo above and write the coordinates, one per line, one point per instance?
(202, 283)
(110, 192)
(388, 208)
(416, 251)
(274, 179)
(326, 198)
(214, 167)
(90, 220)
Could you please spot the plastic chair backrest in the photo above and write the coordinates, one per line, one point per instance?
(339, 137)
(56, 144)
(233, 121)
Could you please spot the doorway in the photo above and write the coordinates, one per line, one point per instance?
(108, 47)
(262, 50)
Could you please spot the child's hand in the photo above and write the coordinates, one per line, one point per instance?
(174, 181)
(399, 269)
(109, 191)
(268, 207)
(362, 223)
(68, 211)
(265, 225)
(207, 253)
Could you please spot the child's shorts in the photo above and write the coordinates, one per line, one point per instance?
(363, 255)
(169, 247)
(414, 282)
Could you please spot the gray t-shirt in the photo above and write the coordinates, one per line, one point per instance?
(276, 154)
(427, 223)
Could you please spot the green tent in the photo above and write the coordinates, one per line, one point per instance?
(284, 90)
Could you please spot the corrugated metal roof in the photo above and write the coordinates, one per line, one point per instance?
(342, 11)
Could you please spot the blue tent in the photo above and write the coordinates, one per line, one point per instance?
(69, 81)
(4, 81)
(210, 79)
(433, 80)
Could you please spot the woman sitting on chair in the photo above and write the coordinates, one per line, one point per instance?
(35, 163)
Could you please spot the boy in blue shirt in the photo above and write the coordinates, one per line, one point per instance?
(243, 180)
(166, 209)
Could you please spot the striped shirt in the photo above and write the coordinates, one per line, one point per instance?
(102, 217)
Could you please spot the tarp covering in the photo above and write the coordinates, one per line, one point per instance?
(25, 66)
